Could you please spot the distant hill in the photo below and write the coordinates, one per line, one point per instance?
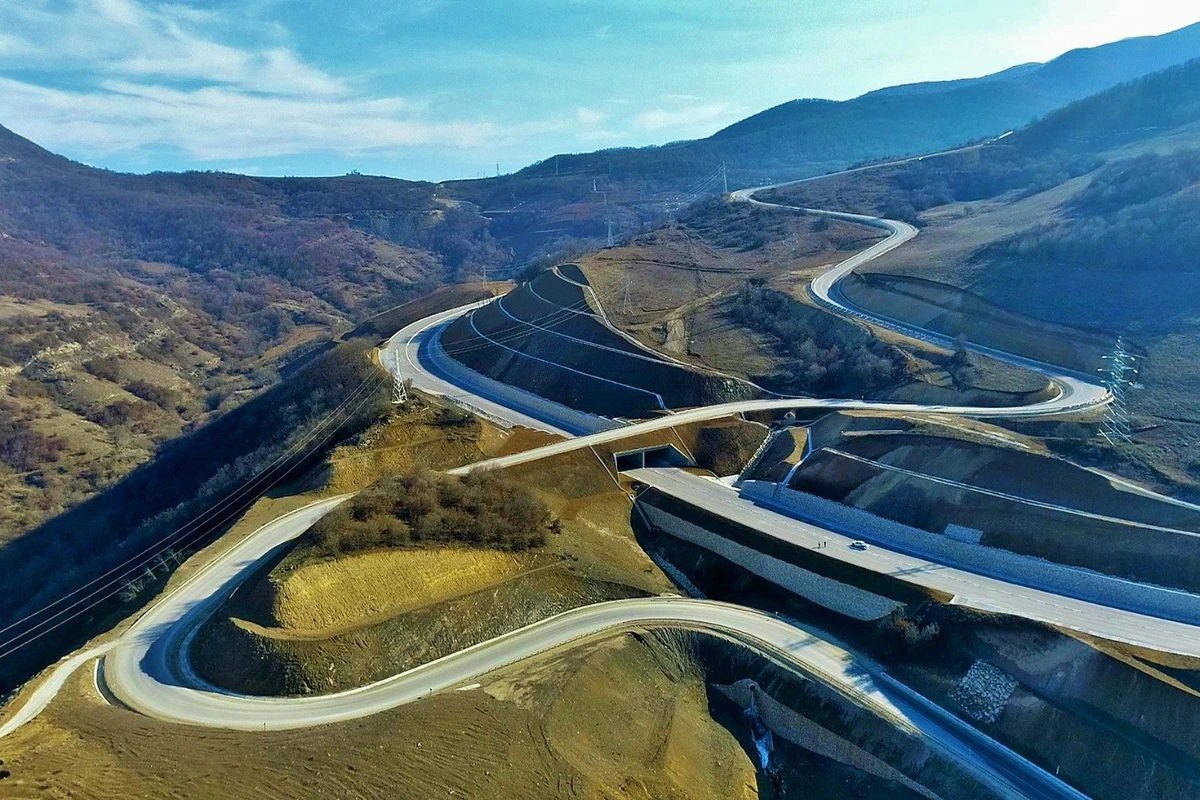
(805, 137)
(578, 195)
(1139, 109)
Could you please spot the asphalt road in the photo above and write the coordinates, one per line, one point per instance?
(148, 670)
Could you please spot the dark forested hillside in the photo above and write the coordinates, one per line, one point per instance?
(196, 486)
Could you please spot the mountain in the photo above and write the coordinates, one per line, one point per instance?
(807, 136)
(580, 195)
(134, 307)
(1139, 109)
(1087, 218)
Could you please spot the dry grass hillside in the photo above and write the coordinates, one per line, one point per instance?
(642, 715)
(313, 623)
(725, 289)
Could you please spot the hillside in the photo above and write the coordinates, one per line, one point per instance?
(812, 136)
(133, 308)
(1088, 218)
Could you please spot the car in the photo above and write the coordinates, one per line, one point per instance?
(859, 544)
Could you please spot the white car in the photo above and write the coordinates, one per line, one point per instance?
(859, 544)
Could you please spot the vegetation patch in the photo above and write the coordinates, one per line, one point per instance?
(424, 508)
(834, 358)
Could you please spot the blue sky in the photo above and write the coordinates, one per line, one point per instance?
(435, 89)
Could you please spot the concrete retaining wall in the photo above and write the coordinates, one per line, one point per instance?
(1035, 573)
(844, 599)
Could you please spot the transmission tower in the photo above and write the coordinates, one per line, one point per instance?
(628, 306)
(724, 180)
(399, 387)
(610, 234)
(1118, 376)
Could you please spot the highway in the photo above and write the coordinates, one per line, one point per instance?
(147, 667)
(969, 589)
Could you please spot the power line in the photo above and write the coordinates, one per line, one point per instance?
(180, 537)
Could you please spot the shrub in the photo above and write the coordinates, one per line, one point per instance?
(161, 397)
(22, 447)
(107, 368)
(422, 508)
(825, 354)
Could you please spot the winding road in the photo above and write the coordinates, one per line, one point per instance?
(147, 668)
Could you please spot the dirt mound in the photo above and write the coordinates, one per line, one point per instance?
(932, 482)
(955, 312)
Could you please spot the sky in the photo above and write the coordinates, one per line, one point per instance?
(438, 89)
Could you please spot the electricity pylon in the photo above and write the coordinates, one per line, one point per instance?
(399, 387)
(1118, 376)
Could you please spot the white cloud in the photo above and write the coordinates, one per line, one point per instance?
(11, 45)
(590, 117)
(125, 38)
(222, 123)
(683, 118)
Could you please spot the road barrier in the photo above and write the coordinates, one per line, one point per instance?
(560, 416)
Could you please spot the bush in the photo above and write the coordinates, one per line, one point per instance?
(106, 369)
(423, 508)
(22, 447)
(163, 398)
(122, 412)
(834, 356)
(21, 386)
(905, 633)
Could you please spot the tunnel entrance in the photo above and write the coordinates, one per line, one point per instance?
(667, 455)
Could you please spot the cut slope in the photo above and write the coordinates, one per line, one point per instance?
(562, 350)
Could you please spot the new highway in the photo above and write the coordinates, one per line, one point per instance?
(969, 589)
(147, 667)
